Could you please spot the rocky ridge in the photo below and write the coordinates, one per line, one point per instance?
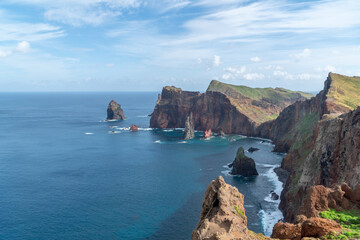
(223, 107)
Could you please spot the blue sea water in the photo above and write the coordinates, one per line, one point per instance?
(67, 174)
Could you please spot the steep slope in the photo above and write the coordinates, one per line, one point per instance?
(232, 109)
(305, 128)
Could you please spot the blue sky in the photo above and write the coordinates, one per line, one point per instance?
(143, 45)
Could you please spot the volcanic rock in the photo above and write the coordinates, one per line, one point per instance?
(243, 165)
(134, 128)
(252, 149)
(208, 133)
(223, 215)
(189, 132)
(114, 111)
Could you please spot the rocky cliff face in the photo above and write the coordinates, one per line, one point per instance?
(333, 158)
(114, 111)
(229, 108)
(319, 142)
(223, 215)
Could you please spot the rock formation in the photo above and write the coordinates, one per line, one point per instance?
(243, 165)
(114, 111)
(321, 137)
(189, 132)
(311, 227)
(252, 149)
(223, 215)
(134, 128)
(233, 109)
(208, 133)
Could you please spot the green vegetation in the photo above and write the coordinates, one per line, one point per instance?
(349, 221)
(238, 212)
(259, 104)
(345, 90)
(272, 95)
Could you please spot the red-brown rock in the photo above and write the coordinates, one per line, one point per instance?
(134, 127)
(208, 133)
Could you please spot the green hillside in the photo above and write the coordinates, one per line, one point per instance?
(345, 90)
(273, 95)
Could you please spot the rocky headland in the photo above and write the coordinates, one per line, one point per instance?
(321, 137)
(223, 108)
(114, 111)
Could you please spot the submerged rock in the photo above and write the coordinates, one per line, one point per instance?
(243, 165)
(274, 196)
(189, 132)
(252, 149)
(114, 111)
(223, 215)
(134, 128)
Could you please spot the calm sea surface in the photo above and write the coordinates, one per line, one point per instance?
(66, 174)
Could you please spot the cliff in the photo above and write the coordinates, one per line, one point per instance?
(223, 215)
(225, 107)
(320, 141)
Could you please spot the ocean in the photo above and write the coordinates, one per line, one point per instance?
(65, 173)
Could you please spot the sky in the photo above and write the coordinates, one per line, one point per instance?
(143, 45)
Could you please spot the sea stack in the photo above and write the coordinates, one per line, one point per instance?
(208, 133)
(134, 128)
(189, 132)
(114, 111)
(243, 165)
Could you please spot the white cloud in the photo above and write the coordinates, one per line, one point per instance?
(330, 68)
(23, 47)
(254, 76)
(303, 54)
(255, 59)
(110, 65)
(80, 12)
(216, 61)
(5, 53)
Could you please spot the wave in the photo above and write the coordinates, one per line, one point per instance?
(269, 219)
(89, 133)
(128, 128)
(157, 141)
(183, 142)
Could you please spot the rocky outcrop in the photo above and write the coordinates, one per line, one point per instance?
(189, 131)
(208, 133)
(172, 108)
(223, 215)
(243, 165)
(252, 149)
(114, 111)
(134, 128)
(311, 227)
(233, 109)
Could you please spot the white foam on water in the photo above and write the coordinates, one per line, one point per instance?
(142, 116)
(183, 142)
(270, 218)
(89, 133)
(114, 132)
(157, 141)
(267, 166)
(145, 129)
(226, 173)
(167, 130)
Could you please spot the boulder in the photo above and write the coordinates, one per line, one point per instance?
(252, 149)
(189, 132)
(274, 196)
(243, 165)
(114, 111)
(134, 128)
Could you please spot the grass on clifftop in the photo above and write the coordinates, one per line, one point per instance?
(349, 221)
(273, 95)
(345, 90)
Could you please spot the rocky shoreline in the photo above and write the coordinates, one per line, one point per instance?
(321, 137)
